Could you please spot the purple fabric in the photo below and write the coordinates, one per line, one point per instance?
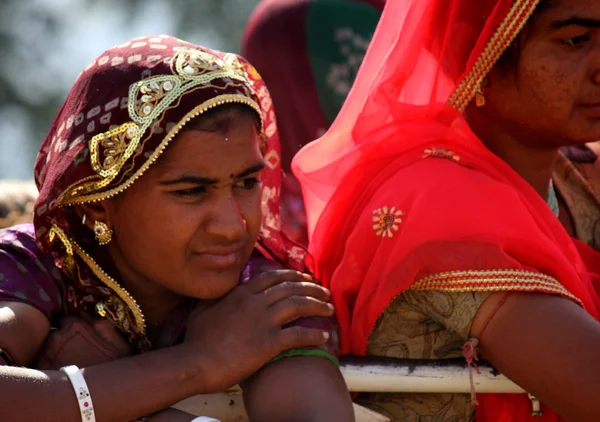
(27, 275)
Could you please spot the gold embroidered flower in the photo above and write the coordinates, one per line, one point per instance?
(386, 221)
(441, 153)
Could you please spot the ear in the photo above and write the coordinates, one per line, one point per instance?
(93, 211)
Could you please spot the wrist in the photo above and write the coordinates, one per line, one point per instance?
(194, 369)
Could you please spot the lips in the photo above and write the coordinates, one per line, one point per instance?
(221, 258)
(592, 108)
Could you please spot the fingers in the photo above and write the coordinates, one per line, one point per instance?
(294, 307)
(287, 289)
(295, 337)
(271, 278)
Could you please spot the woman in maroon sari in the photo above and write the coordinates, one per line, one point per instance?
(156, 263)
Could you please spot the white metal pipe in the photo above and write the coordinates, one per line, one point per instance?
(404, 376)
(373, 375)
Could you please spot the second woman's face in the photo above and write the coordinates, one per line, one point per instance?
(189, 224)
(552, 95)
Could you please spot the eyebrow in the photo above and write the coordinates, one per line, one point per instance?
(199, 180)
(576, 21)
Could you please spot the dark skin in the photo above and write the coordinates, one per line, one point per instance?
(551, 99)
(184, 229)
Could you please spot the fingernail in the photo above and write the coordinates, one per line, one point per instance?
(327, 291)
(307, 277)
(330, 306)
(326, 335)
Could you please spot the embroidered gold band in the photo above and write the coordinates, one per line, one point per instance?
(494, 281)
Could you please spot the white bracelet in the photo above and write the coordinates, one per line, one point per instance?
(205, 419)
(82, 392)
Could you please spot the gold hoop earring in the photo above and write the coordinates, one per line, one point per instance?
(102, 232)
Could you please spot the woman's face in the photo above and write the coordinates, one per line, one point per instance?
(552, 96)
(189, 224)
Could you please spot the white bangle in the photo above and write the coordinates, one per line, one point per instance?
(82, 392)
(204, 419)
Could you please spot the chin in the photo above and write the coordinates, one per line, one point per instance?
(216, 285)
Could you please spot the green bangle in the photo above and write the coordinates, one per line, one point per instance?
(307, 352)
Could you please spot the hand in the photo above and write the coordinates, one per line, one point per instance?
(84, 344)
(245, 329)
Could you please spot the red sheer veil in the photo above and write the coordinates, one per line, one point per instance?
(424, 53)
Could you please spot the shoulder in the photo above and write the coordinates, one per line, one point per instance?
(19, 243)
(439, 194)
(258, 264)
(435, 179)
(27, 274)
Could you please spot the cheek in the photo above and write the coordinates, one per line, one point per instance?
(548, 87)
(250, 208)
(154, 227)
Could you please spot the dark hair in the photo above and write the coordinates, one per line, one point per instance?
(510, 58)
(223, 118)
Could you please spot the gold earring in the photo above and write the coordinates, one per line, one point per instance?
(102, 232)
(479, 97)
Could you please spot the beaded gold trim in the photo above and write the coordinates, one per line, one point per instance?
(506, 33)
(494, 281)
(72, 246)
(147, 100)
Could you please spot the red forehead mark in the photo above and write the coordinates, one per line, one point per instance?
(231, 176)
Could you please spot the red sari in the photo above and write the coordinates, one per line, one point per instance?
(401, 194)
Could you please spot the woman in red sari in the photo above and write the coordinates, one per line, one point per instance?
(432, 214)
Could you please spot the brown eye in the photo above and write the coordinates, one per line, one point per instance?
(576, 41)
(197, 191)
(248, 184)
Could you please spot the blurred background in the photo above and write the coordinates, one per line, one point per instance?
(44, 44)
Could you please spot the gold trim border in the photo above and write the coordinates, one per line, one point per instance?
(506, 33)
(494, 281)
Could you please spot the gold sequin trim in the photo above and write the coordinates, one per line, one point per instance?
(76, 198)
(494, 281)
(506, 33)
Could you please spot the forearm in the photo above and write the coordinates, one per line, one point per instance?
(121, 390)
(318, 392)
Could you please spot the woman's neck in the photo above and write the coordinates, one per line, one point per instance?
(534, 163)
(155, 301)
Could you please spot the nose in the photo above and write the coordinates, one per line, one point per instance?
(596, 77)
(226, 220)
